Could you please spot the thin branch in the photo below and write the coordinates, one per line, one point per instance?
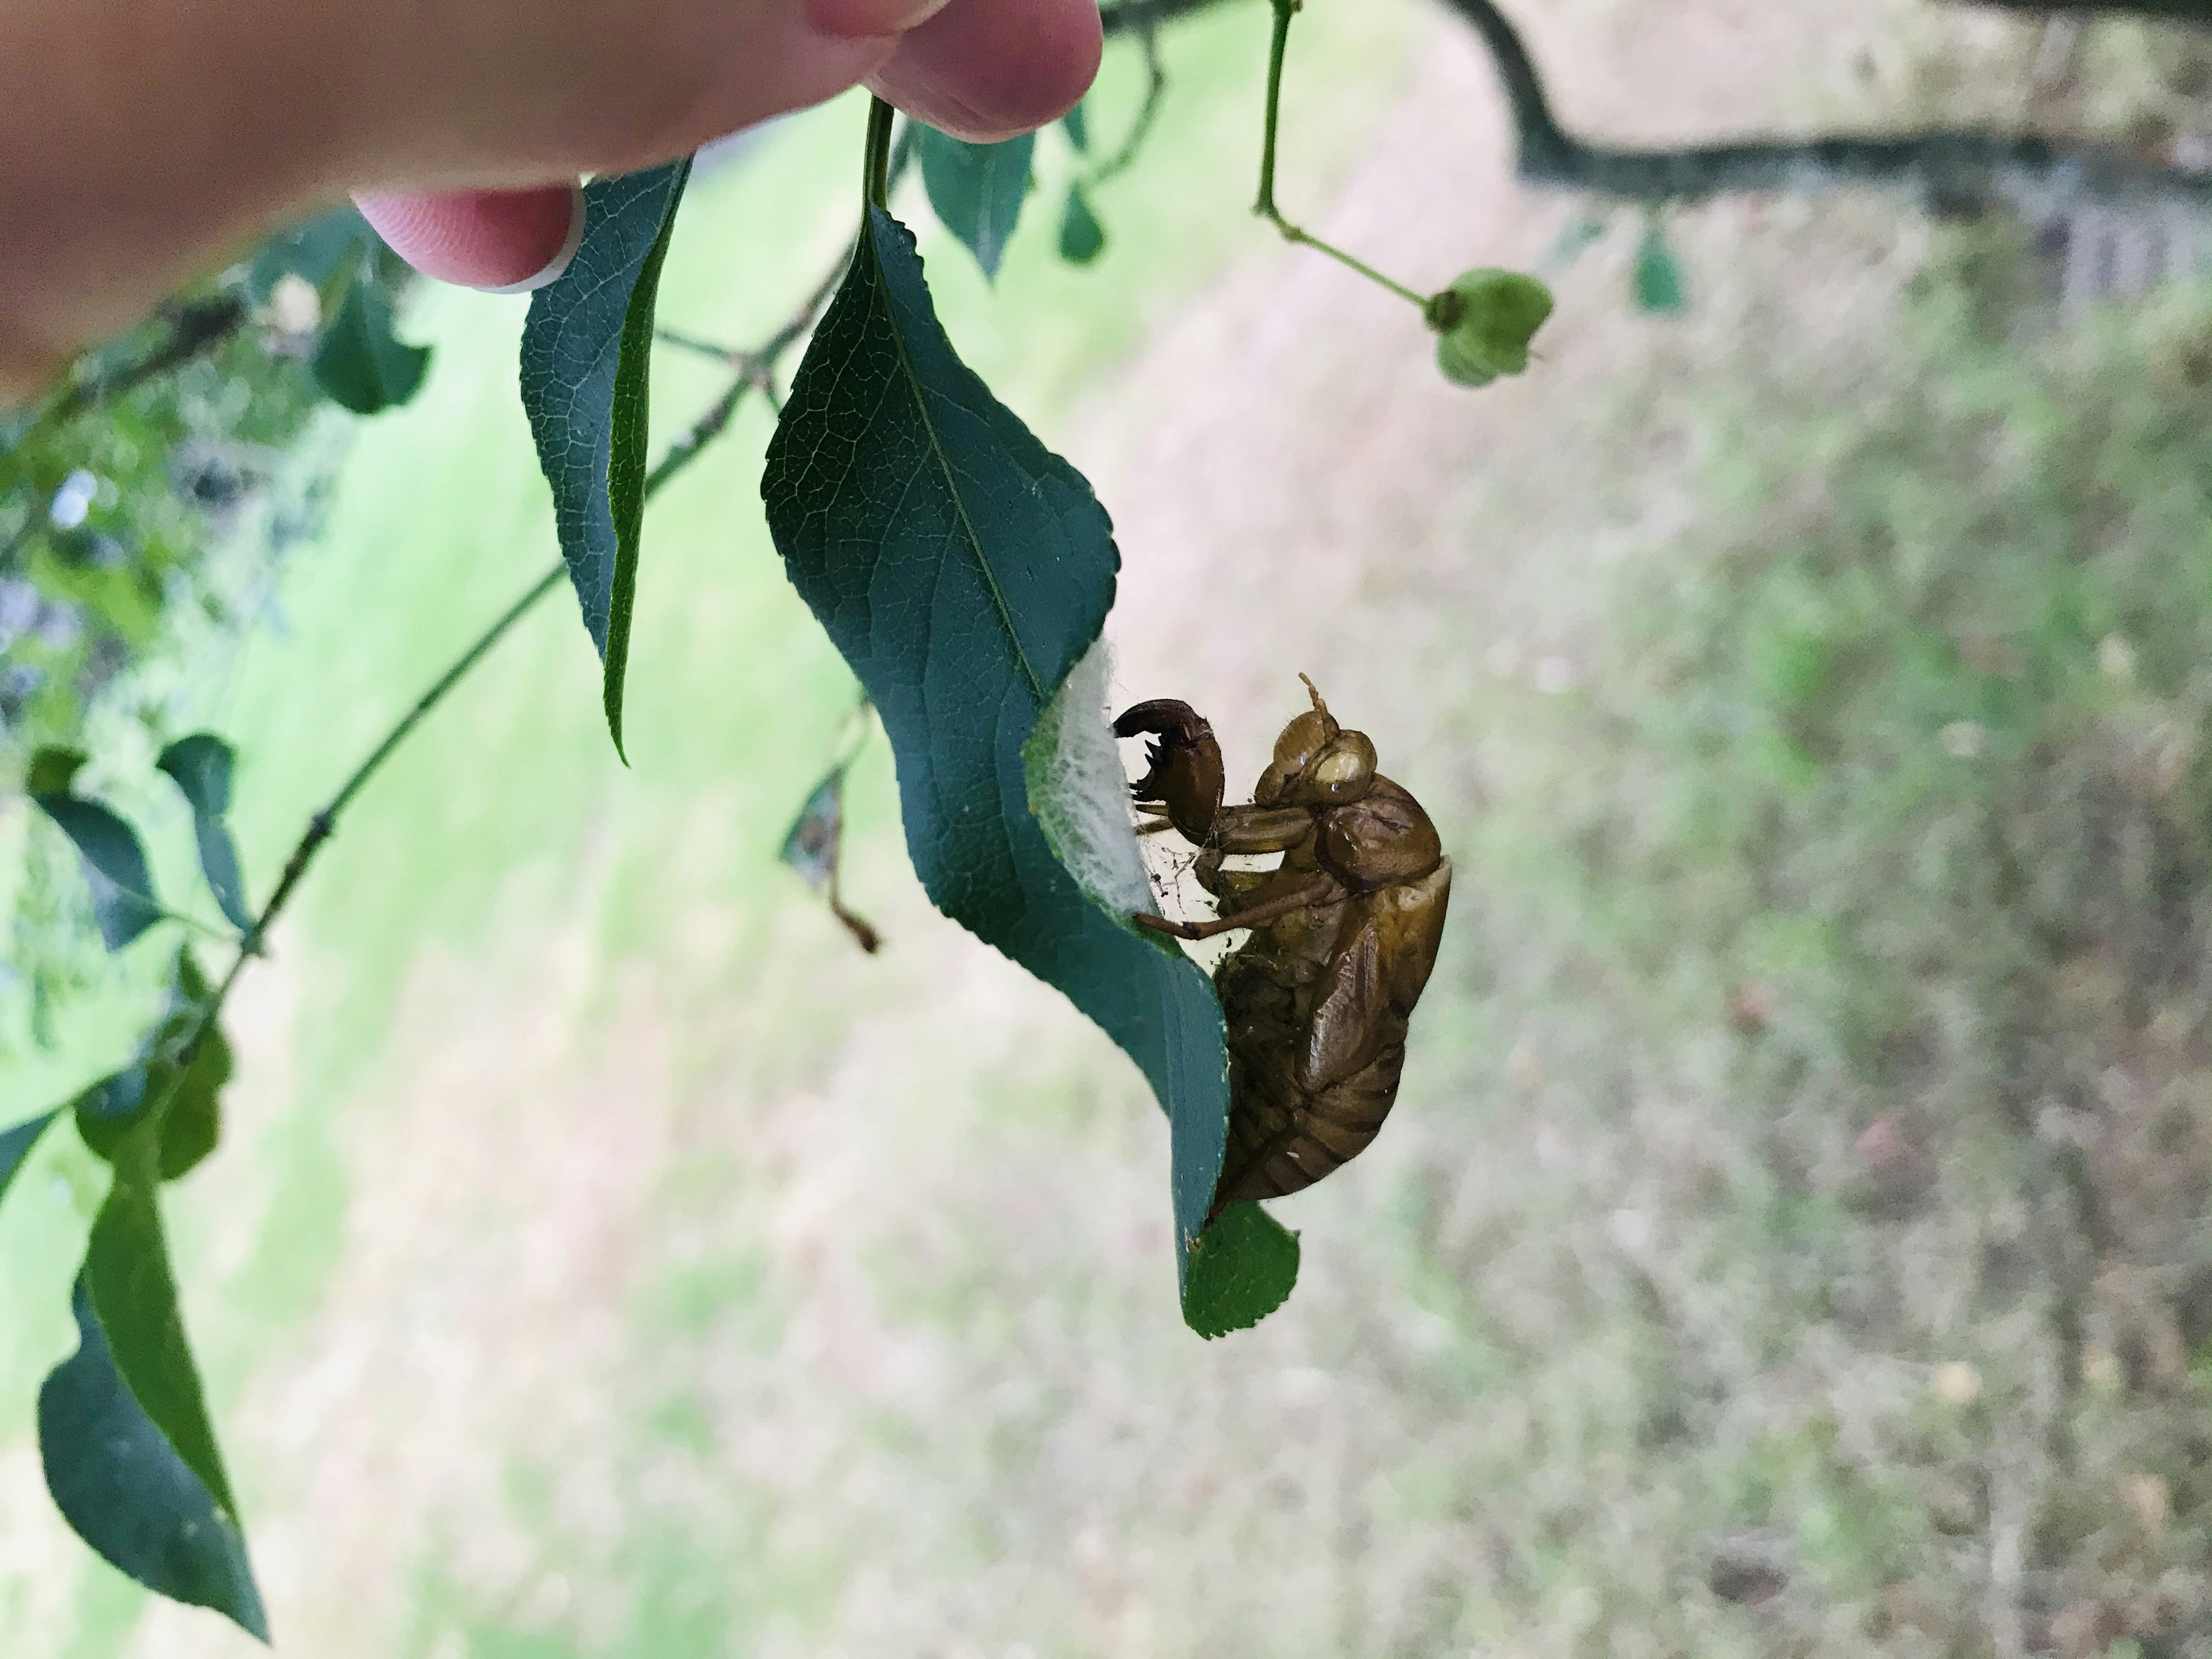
(1951, 168)
(720, 354)
(1265, 206)
(1148, 113)
(2186, 11)
(756, 369)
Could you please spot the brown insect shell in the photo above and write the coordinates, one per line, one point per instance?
(1186, 774)
(1299, 746)
(1381, 839)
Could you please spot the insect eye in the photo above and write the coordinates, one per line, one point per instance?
(1344, 771)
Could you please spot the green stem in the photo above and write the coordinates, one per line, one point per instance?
(198, 926)
(875, 174)
(1278, 48)
(754, 370)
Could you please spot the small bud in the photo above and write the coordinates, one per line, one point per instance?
(1484, 322)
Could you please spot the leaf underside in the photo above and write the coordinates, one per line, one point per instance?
(359, 363)
(962, 569)
(977, 190)
(586, 355)
(129, 1448)
(200, 766)
(115, 868)
(123, 1488)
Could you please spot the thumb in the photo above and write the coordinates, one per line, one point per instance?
(503, 241)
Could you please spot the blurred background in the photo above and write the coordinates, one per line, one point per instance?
(1792, 1237)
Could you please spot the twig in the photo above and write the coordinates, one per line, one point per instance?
(2186, 11)
(1265, 206)
(757, 370)
(720, 354)
(1948, 167)
(1148, 112)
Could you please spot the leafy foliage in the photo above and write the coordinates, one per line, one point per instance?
(200, 766)
(123, 900)
(1082, 237)
(977, 190)
(121, 1483)
(962, 569)
(586, 352)
(130, 1451)
(1243, 1268)
(360, 363)
(1658, 273)
(814, 846)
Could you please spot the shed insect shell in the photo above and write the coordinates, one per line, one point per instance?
(1343, 933)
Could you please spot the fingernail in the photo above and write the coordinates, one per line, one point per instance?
(558, 267)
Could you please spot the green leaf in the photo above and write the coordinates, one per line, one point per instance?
(51, 771)
(977, 190)
(1658, 276)
(200, 765)
(122, 1485)
(587, 360)
(359, 363)
(170, 1095)
(1082, 237)
(314, 249)
(811, 845)
(1076, 124)
(15, 1147)
(963, 569)
(123, 902)
(1243, 1270)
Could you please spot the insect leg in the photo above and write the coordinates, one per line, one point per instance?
(1318, 892)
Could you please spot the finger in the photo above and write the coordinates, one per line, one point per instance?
(504, 241)
(865, 19)
(986, 69)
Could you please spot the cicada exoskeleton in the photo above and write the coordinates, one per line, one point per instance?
(1344, 933)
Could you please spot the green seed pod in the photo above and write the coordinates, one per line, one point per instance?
(1484, 322)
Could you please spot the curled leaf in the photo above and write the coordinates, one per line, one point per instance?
(1485, 321)
(200, 766)
(587, 360)
(963, 569)
(814, 846)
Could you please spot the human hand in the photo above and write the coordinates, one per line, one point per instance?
(144, 140)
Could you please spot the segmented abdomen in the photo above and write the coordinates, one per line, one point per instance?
(1282, 1138)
